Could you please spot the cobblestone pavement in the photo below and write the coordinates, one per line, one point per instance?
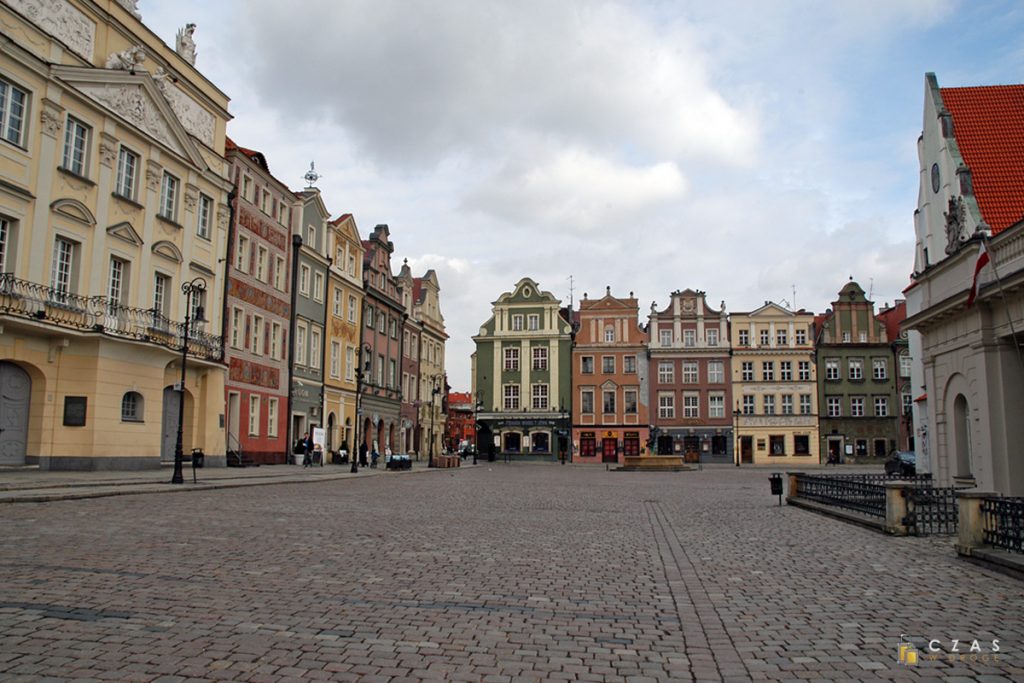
(497, 573)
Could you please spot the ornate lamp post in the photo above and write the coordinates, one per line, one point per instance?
(196, 286)
(433, 392)
(359, 413)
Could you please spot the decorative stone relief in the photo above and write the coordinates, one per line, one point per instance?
(193, 117)
(63, 21)
(191, 197)
(51, 116)
(222, 216)
(133, 104)
(127, 59)
(956, 219)
(108, 150)
(154, 173)
(185, 45)
(132, 6)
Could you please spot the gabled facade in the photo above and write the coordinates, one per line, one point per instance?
(522, 375)
(856, 380)
(114, 194)
(892, 317)
(460, 422)
(426, 303)
(257, 310)
(343, 330)
(690, 387)
(412, 396)
(383, 322)
(968, 376)
(309, 279)
(774, 386)
(610, 415)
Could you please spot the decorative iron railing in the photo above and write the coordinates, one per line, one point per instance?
(1003, 523)
(101, 314)
(931, 511)
(843, 492)
(924, 479)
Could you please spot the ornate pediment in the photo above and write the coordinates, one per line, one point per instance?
(135, 98)
(125, 232)
(63, 21)
(75, 210)
(168, 250)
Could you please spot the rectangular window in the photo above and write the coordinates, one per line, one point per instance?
(511, 358)
(256, 336)
(744, 338)
(857, 406)
(314, 347)
(350, 363)
(905, 365)
(801, 337)
(169, 197)
(609, 335)
(275, 340)
(880, 368)
(380, 370)
(304, 275)
(272, 417)
(279, 273)
(804, 371)
(300, 343)
(517, 323)
(608, 402)
(254, 415)
(5, 240)
(608, 365)
(587, 365)
(666, 373)
(60, 275)
(392, 374)
(629, 365)
(768, 371)
(351, 309)
(786, 370)
(242, 254)
(247, 188)
(382, 322)
(352, 265)
(689, 338)
(311, 242)
(787, 404)
(666, 406)
(511, 396)
(533, 322)
(318, 287)
(691, 405)
(339, 305)
(805, 404)
(237, 327)
(265, 202)
(284, 214)
(369, 316)
(116, 286)
(834, 406)
(540, 358)
(204, 217)
(747, 371)
(127, 172)
(629, 402)
(856, 368)
(748, 405)
(712, 336)
(12, 112)
(76, 144)
(587, 401)
(665, 336)
(781, 338)
(335, 359)
(690, 373)
(769, 404)
(776, 444)
(881, 406)
(832, 368)
(716, 405)
(540, 396)
(766, 337)
(801, 444)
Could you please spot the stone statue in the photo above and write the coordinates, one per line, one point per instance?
(132, 6)
(185, 44)
(956, 221)
(126, 60)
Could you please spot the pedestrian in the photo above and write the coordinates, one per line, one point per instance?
(362, 454)
(307, 451)
(374, 456)
(344, 452)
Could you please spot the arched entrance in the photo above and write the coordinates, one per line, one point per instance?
(962, 436)
(169, 424)
(15, 396)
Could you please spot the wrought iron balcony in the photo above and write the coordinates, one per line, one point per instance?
(100, 314)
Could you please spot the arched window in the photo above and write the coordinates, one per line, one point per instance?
(131, 407)
(962, 436)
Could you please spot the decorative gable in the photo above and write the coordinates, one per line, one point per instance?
(168, 250)
(75, 210)
(124, 231)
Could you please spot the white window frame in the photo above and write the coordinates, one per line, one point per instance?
(169, 186)
(831, 368)
(117, 283)
(338, 305)
(880, 368)
(801, 337)
(511, 358)
(256, 335)
(856, 406)
(275, 340)
(271, 417)
(768, 371)
(856, 368)
(803, 370)
(666, 405)
(747, 371)
(630, 402)
(834, 406)
(586, 395)
(335, 360)
(262, 256)
(254, 415)
(666, 372)
(533, 322)
(237, 327)
(517, 322)
(6, 244)
(305, 272)
(62, 268)
(691, 404)
(716, 405)
(665, 337)
(301, 331)
(691, 372)
(609, 335)
(315, 339)
(768, 403)
(689, 338)
(785, 371)
(540, 358)
(510, 396)
(607, 394)
(351, 308)
(318, 286)
(279, 273)
(127, 173)
(243, 254)
(607, 365)
(716, 372)
(76, 146)
(805, 404)
(204, 216)
(712, 337)
(13, 109)
(881, 406)
(787, 404)
(539, 396)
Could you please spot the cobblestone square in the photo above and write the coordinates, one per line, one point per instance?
(495, 574)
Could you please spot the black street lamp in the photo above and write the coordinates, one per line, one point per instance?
(433, 392)
(195, 286)
(736, 434)
(359, 413)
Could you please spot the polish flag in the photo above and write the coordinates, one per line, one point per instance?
(979, 264)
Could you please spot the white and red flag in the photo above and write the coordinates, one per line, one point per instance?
(978, 265)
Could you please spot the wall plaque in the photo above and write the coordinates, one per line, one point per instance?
(74, 411)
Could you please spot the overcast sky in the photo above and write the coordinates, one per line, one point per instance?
(754, 150)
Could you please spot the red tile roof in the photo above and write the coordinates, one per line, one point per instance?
(892, 317)
(988, 123)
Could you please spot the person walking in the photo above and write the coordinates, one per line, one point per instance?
(362, 455)
(307, 455)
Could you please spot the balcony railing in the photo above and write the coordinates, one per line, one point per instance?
(100, 314)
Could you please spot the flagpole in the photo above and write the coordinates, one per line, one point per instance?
(1002, 294)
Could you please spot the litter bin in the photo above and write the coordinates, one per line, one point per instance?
(198, 457)
(776, 482)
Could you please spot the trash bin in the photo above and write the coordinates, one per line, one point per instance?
(198, 457)
(776, 482)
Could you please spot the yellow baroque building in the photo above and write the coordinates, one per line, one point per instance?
(113, 195)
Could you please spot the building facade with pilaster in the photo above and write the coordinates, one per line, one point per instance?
(113, 195)
(523, 372)
(426, 304)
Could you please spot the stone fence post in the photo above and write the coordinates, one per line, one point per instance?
(895, 508)
(794, 487)
(971, 523)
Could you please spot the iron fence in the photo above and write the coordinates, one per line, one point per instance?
(931, 511)
(843, 492)
(1003, 523)
(924, 479)
(62, 308)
